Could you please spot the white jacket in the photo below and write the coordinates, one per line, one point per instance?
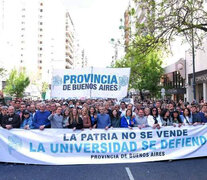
(151, 121)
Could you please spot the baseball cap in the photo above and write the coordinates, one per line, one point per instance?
(79, 107)
(71, 106)
(26, 112)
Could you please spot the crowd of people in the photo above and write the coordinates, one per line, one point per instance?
(101, 114)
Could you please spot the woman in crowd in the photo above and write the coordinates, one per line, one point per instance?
(128, 120)
(115, 119)
(93, 116)
(165, 118)
(176, 120)
(66, 114)
(159, 111)
(28, 121)
(79, 108)
(86, 118)
(75, 121)
(186, 117)
(154, 119)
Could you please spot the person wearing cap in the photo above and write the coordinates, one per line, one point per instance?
(11, 120)
(64, 106)
(71, 106)
(28, 120)
(79, 108)
(56, 119)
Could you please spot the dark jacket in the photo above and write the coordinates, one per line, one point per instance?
(115, 122)
(203, 117)
(93, 120)
(13, 120)
(78, 125)
(196, 117)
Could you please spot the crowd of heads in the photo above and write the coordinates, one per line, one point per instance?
(91, 113)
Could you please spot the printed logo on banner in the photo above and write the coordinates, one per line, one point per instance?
(15, 143)
(123, 81)
(57, 81)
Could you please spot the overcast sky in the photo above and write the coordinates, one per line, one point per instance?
(96, 22)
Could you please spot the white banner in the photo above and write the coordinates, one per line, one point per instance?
(64, 146)
(90, 83)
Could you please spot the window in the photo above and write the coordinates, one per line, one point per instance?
(41, 23)
(40, 42)
(40, 61)
(40, 29)
(40, 49)
(41, 4)
(41, 10)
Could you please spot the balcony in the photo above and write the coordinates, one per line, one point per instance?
(69, 61)
(67, 67)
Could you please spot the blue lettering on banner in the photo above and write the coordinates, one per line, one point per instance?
(138, 145)
(40, 148)
(66, 78)
(90, 78)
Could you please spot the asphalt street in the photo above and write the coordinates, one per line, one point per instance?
(188, 169)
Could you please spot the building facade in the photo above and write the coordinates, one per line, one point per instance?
(200, 73)
(178, 78)
(174, 80)
(37, 35)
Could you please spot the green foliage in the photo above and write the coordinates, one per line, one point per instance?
(165, 20)
(45, 86)
(146, 68)
(2, 72)
(17, 83)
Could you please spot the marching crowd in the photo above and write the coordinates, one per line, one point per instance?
(102, 114)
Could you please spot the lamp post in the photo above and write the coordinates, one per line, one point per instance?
(193, 56)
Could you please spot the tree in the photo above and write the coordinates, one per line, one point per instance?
(45, 87)
(146, 69)
(17, 83)
(2, 72)
(166, 20)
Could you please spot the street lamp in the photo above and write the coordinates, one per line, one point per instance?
(193, 56)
